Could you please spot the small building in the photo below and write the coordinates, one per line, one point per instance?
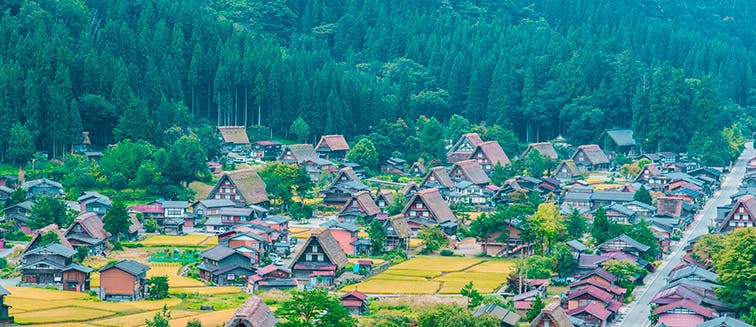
(647, 174)
(471, 171)
(343, 187)
(593, 314)
(225, 266)
(360, 207)
(724, 321)
(20, 212)
(76, 278)
(566, 171)
(683, 313)
(552, 316)
(42, 187)
(211, 208)
(95, 202)
(176, 210)
(506, 318)
(427, 208)
(135, 228)
(437, 178)
(398, 233)
(463, 148)
(244, 187)
(356, 302)
(590, 294)
(393, 166)
(152, 210)
(297, 153)
(417, 169)
(625, 244)
(619, 140)
(234, 138)
(383, 199)
(345, 234)
(543, 148)
(172, 226)
(332, 147)
(271, 277)
(88, 230)
(253, 313)
(591, 158)
(5, 193)
(608, 198)
(742, 214)
(44, 265)
(265, 149)
(5, 319)
(125, 280)
(489, 155)
(320, 260)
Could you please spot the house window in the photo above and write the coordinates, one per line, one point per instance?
(425, 214)
(315, 249)
(432, 178)
(320, 257)
(419, 205)
(308, 257)
(231, 277)
(740, 210)
(413, 213)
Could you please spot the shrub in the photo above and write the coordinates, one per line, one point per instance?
(117, 246)
(447, 253)
(150, 226)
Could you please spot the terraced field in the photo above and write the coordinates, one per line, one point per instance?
(437, 275)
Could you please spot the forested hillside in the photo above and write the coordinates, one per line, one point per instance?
(671, 70)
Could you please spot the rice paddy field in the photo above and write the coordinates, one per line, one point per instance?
(194, 240)
(71, 309)
(437, 275)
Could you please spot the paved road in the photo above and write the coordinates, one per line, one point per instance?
(636, 314)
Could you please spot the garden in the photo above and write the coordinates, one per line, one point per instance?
(437, 275)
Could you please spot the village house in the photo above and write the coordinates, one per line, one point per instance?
(417, 169)
(724, 321)
(265, 149)
(410, 189)
(228, 217)
(316, 167)
(543, 148)
(489, 155)
(590, 294)
(427, 208)
(20, 212)
(343, 187)
(319, 261)
(5, 193)
(383, 199)
(683, 313)
(176, 210)
(591, 158)
(620, 214)
(332, 147)
(742, 214)
(506, 243)
(125, 280)
(234, 138)
(253, 313)
(506, 318)
(95, 202)
(5, 319)
(297, 153)
(271, 277)
(225, 266)
(135, 229)
(42, 187)
(360, 207)
(552, 316)
(646, 176)
(152, 210)
(593, 314)
(439, 179)
(356, 302)
(244, 187)
(37, 237)
(52, 264)
(88, 230)
(619, 141)
(463, 148)
(211, 208)
(470, 182)
(398, 233)
(625, 244)
(608, 198)
(393, 166)
(346, 235)
(251, 237)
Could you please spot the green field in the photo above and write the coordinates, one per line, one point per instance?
(437, 275)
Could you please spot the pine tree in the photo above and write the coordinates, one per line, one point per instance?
(116, 220)
(643, 195)
(601, 226)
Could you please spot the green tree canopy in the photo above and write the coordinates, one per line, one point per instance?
(643, 195)
(314, 308)
(48, 210)
(300, 129)
(365, 154)
(20, 145)
(432, 238)
(116, 219)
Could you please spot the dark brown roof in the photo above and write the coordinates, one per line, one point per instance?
(669, 206)
(52, 227)
(594, 153)
(442, 177)
(570, 166)
(350, 174)
(556, 315)
(435, 203)
(493, 151)
(92, 224)
(234, 134)
(365, 201)
(407, 187)
(334, 142)
(302, 152)
(419, 166)
(135, 224)
(747, 201)
(400, 225)
(330, 247)
(472, 171)
(253, 313)
(250, 185)
(544, 148)
(652, 169)
(387, 196)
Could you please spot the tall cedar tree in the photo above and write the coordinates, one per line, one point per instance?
(377, 235)
(116, 220)
(643, 195)
(48, 210)
(577, 225)
(601, 226)
(535, 308)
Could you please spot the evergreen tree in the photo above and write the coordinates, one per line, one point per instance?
(20, 144)
(365, 154)
(535, 309)
(643, 195)
(576, 225)
(601, 226)
(116, 220)
(300, 129)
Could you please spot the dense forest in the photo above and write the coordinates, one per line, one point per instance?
(681, 74)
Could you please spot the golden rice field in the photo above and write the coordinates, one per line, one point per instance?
(437, 275)
(205, 290)
(415, 242)
(71, 309)
(172, 271)
(177, 240)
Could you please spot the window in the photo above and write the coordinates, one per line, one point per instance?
(308, 257)
(413, 213)
(320, 257)
(741, 210)
(419, 205)
(315, 249)
(425, 214)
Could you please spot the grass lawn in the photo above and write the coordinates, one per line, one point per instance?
(175, 240)
(172, 271)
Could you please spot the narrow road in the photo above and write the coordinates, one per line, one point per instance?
(636, 313)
